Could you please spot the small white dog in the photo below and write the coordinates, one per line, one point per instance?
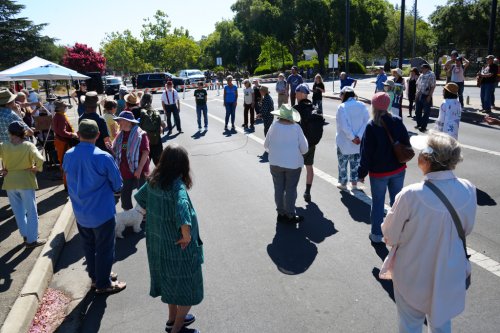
(129, 218)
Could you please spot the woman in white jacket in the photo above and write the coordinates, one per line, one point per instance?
(430, 267)
(352, 117)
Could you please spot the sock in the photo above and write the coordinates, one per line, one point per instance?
(308, 188)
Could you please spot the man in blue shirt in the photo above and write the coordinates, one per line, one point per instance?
(292, 82)
(347, 81)
(381, 78)
(93, 177)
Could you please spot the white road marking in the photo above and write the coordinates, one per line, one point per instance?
(479, 259)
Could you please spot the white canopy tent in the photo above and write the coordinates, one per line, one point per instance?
(49, 72)
(27, 65)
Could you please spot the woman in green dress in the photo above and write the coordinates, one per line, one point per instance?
(174, 247)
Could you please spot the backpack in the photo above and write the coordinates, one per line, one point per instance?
(151, 123)
(313, 128)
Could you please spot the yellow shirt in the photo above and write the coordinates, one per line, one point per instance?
(16, 159)
(112, 125)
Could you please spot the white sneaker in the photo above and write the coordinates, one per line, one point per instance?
(342, 187)
(376, 238)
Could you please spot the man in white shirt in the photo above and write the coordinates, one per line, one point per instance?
(171, 105)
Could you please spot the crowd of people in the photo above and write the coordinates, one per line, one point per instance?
(109, 156)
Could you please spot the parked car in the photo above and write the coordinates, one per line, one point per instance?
(112, 84)
(192, 75)
(158, 80)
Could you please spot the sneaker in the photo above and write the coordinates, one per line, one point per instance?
(225, 128)
(342, 187)
(37, 243)
(206, 128)
(187, 321)
(199, 128)
(244, 125)
(356, 187)
(307, 197)
(376, 238)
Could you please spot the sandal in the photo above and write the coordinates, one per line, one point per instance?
(114, 288)
(113, 277)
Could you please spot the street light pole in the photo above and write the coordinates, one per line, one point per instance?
(414, 29)
(493, 18)
(347, 26)
(401, 34)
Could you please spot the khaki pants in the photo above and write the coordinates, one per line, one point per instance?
(282, 99)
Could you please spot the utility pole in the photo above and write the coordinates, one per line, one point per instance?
(493, 18)
(401, 34)
(347, 28)
(414, 29)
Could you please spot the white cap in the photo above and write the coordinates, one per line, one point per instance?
(420, 142)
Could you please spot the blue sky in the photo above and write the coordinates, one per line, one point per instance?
(88, 21)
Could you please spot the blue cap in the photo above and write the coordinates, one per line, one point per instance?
(128, 116)
(303, 88)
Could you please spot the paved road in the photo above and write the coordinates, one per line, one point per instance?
(263, 277)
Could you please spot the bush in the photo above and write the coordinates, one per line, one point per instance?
(218, 69)
(355, 67)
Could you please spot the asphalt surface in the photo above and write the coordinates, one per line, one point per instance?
(320, 276)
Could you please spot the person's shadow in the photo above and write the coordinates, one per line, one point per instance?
(358, 210)
(484, 199)
(264, 158)
(293, 248)
(198, 134)
(87, 315)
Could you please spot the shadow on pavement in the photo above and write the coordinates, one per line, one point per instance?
(293, 248)
(358, 210)
(264, 158)
(8, 265)
(87, 316)
(72, 253)
(484, 199)
(199, 134)
(386, 284)
(381, 250)
(127, 246)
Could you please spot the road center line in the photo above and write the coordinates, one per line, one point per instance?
(479, 259)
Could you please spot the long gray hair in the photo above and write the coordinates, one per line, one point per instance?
(377, 116)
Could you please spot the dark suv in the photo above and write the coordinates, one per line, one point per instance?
(112, 84)
(157, 80)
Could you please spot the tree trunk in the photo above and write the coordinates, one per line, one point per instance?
(321, 60)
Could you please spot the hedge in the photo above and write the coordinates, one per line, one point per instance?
(355, 67)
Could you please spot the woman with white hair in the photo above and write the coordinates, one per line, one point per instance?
(427, 226)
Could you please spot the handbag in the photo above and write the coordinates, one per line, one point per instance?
(403, 152)
(456, 221)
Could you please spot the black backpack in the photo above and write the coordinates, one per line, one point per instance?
(313, 128)
(151, 123)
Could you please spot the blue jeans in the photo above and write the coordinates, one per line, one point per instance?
(353, 161)
(23, 204)
(99, 248)
(230, 112)
(378, 186)
(422, 104)
(199, 109)
(319, 105)
(487, 91)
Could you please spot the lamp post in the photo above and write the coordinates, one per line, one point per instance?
(493, 17)
(414, 29)
(347, 27)
(401, 34)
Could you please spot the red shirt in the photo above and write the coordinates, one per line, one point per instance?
(143, 149)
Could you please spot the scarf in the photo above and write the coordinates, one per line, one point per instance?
(133, 147)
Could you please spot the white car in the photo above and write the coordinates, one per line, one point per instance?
(192, 75)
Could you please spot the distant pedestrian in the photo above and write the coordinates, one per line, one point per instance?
(21, 161)
(305, 108)
(450, 111)
(292, 82)
(93, 177)
(134, 81)
(90, 102)
(200, 96)
(230, 102)
(352, 118)
(248, 104)
(449, 63)
(267, 107)
(132, 104)
(285, 142)
(412, 89)
(173, 244)
(281, 89)
(389, 86)
(65, 136)
(399, 87)
(428, 256)
(109, 113)
(347, 81)
(379, 161)
(77, 97)
(220, 80)
(131, 152)
(171, 106)
(426, 83)
(238, 79)
(381, 78)
(151, 123)
(318, 91)
(488, 76)
(257, 98)
(456, 69)
(121, 100)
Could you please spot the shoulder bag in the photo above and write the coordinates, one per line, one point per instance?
(456, 221)
(403, 152)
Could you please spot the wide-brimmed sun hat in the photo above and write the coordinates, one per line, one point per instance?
(397, 71)
(126, 115)
(90, 99)
(286, 111)
(131, 99)
(6, 96)
(452, 88)
(346, 89)
(61, 105)
(389, 83)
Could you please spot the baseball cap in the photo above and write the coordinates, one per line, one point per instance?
(88, 128)
(303, 88)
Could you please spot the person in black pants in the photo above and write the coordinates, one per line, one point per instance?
(172, 106)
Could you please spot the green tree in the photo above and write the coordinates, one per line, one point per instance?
(181, 51)
(225, 42)
(21, 38)
(124, 52)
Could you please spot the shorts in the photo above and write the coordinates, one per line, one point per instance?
(309, 156)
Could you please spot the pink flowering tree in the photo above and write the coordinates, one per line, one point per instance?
(82, 58)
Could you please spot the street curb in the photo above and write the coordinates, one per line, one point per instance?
(466, 115)
(24, 309)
